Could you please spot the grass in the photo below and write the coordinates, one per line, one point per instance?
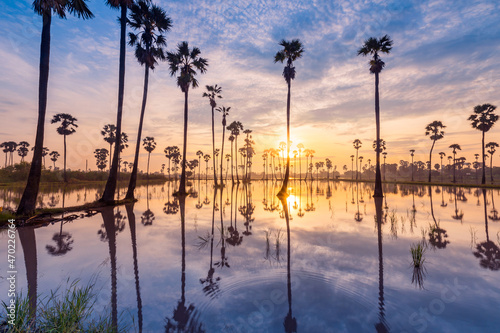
(417, 253)
(71, 310)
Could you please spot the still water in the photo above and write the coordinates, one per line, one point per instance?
(329, 259)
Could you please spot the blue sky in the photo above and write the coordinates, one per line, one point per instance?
(444, 62)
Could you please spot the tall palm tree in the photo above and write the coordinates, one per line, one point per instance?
(412, 154)
(67, 128)
(149, 145)
(186, 62)
(12, 146)
(352, 167)
(300, 146)
(235, 127)
(231, 139)
(373, 47)
(5, 148)
(109, 191)
(151, 22)
(45, 8)
(225, 112)
(491, 150)
(292, 50)
(483, 120)
(212, 93)
(109, 133)
(207, 158)
(357, 144)
(435, 130)
(200, 154)
(454, 146)
(23, 149)
(441, 155)
(54, 156)
(170, 152)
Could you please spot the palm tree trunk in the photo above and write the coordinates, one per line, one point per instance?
(378, 180)
(357, 165)
(182, 186)
(28, 200)
(110, 154)
(64, 170)
(109, 191)
(454, 166)
(222, 153)
(491, 168)
(284, 187)
(483, 179)
(133, 176)
(232, 166)
(149, 156)
(430, 160)
(236, 154)
(213, 148)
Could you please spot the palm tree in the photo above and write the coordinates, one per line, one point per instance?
(454, 146)
(357, 144)
(225, 112)
(491, 151)
(54, 156)
(109, 133)
(5, 146)
(291, 51)
(12, 146)
(149, 145)
(352, 167)
(200, 154)
(435, 130)
(207, 158)
(109, 191)
(67, 128)
(170, 152)
(373, 46)
(385, 156)
(329, 165)
(300, 146)
(23, 149)
(101, 156)
(151, 22)
(231, 139)
(483, 119)
(441, 155)
(212, 93)
(186, 62)
(45, 8)
(235, 127)
(45, 152)
(228, 156)
(412, 153)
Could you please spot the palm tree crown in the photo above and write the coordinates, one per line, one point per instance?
(373, 47)
(291, 51)
(186, 62)
(67, 123)
(483, 117)
(60, 7)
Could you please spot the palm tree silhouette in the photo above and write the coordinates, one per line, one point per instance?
(381, 326)
(149, 145)
(455, 146)
(109, 133)
(186, 62)
(437, 235)
(483, 119)
(300, 146)
(487, 252)
(385, 156)
(110, 189)
(491, 151)
(225, 112)
(292, 50)
(207, 158)
(11, 147)
(151, 22)
(148, 216)
(441, 155)
(23, 150)
(5, 146)
(412, 153)
(200, 154)
(435, 130)
(45, 8)
(54, 156)
(101, 156)
(66, 128)
(171, 152)
(45, 152)
(235, 127)
(212, 93)
(373, 46)
(357, 144)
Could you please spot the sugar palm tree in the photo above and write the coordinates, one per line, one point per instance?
(491, 150)
(45, 152)
(212, 93)
(109, 191)
(67, 128)
(54, 155)
(235, 127)
(373, 47)
(170, 152)
(151, 22)
(357, 144)
(435, 130)
(225, 112)
(11, 146)
(149, 145)
(454, 146)
(412, 154)
(207, 158)
(292, 50)
(109, 133)
(5, 148)
(45, 8)
(483, 119)
(300, 146)
(186, 62)
(441, 155)
(200, 154)
(23, 150)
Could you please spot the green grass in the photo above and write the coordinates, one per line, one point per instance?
(71, 310)
(417, 253)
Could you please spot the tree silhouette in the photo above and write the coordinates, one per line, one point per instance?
(23, 150)
(487, 252)
(357, 144)
(5, 148)
(292, 50)
(151, 22)
(66, 128)
(109, 133)
(225, 112)
(54, 156)
(149, 145)
(212, 93)
(491, 150)
(63, 240)
(441, 155)
(483, 119)
(435, 130)
(186, 62)
(454, 146)
(170, 153)
(200, 154)
(412, 154)
(235, 127)
(373, 47)
(109, 191)
(101, 156)
(45, 8)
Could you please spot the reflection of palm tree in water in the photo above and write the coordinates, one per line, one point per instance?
(63, 240)
(28, 243)
(131, 222)
(248, 210)
(437, 235)
(119, 225)
(309, 206)
(210, 285)
(443, 204)
(487, 252)
(301, 212)
(289, 323)
(234, 238)
(358, 217)
(494, 213)
(185, 318)
(171, 207)
(148, 216)
(458, 214)
(381, 326)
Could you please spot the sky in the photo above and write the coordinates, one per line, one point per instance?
(444, 61)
